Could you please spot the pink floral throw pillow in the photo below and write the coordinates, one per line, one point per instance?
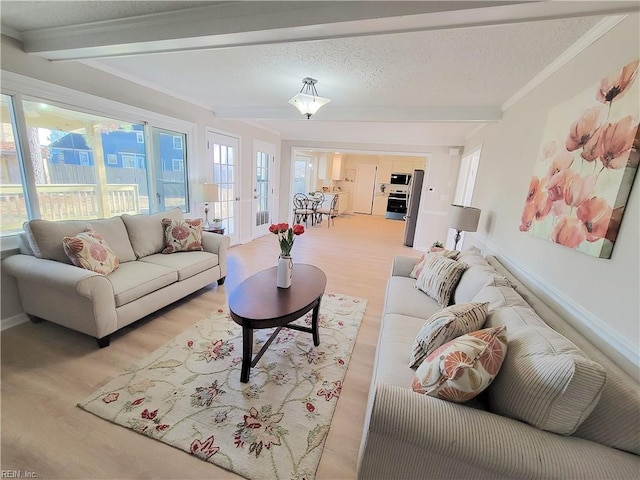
(182, 235)
(462, 368)
(89, 250)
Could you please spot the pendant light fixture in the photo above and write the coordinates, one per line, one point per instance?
(308, 101)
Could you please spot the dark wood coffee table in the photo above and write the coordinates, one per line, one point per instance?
(259, 303)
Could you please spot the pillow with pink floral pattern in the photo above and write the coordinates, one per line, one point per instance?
(183, 235)
(89, 250)
(462, 368)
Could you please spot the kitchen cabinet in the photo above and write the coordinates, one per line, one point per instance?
(324, 168)
(385, 169)
(336, 168)
(342, 203)
(380, 205)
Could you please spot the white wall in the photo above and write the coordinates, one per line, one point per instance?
(600, 296)
(82, 78)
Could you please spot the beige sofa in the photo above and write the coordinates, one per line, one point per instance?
(53, 289)
(409, 435)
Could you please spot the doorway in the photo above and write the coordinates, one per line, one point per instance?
(265, 198)
(364, 188)
(222, 151)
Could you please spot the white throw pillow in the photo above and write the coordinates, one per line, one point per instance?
(439, 277)
(446, 325)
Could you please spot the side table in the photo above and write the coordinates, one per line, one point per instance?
(214, 230)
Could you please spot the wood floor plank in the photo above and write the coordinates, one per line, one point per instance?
(46, 369)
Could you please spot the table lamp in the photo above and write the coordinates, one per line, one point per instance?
(209, 194)
(463, 219)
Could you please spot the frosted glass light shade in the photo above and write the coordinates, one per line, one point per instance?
(308, 104)
(209, 192)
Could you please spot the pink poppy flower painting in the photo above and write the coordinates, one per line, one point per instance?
(586, 165)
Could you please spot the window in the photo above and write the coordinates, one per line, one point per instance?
(128, 161)
(171, 182)
(70, 165)
(84, 158)
(13, 202)
(177, 143)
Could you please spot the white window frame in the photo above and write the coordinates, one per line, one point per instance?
(177, 142)
(140, 137)
(28, 88)
(112, 158)
(84, 158)
(128, 160)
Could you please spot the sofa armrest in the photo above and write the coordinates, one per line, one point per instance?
(218, 244)
(455, 441)
(50, 272)
(402, 265)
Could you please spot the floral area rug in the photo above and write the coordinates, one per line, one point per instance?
(188, 393)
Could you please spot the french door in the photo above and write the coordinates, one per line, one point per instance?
(223, 153)
(264, 196)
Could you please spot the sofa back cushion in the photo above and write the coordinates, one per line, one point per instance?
(45, 237)
(146, 231)
(545, 380)
(474, 279)
(500, 297)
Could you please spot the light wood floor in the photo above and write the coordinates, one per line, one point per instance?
(47, 369)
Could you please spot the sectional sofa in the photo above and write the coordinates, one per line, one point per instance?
(54, 289)
(558, 407)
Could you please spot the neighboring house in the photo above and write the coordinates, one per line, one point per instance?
(122, 149)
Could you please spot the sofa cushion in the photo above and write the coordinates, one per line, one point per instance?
(446, 325)
(146, 232)
(45, 237)
(187, 264)
(473, 279)
(439, 277)
(404, 299)
(396, 335)
(134, 280)
(500, 297)
(461, 369)
(415, 272)
(545, 380)
(89, 250)
(182, 235)
(472, 256)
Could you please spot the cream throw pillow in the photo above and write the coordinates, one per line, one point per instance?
(182, 235)
(462, 368)
(439, 277)
(452, 254)
(446, 325)
(89, 250)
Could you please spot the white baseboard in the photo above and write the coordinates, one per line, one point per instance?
(13, 321)
(574, 313)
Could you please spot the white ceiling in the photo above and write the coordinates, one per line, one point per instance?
(418, 73)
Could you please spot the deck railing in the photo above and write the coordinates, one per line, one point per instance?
(66, 202)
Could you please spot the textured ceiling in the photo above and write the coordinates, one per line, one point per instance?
(417, 74)
(478, 66)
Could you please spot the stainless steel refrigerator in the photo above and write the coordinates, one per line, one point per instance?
(413, 203)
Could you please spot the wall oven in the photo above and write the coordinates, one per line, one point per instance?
(397, 205)
(400, 178)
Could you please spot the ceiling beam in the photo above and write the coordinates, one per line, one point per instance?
(232, 24)
(371, 114)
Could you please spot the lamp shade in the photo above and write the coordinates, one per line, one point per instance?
(464, 219)
(308, 104)
(209, 192)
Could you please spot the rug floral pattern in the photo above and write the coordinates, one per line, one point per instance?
(188, 393)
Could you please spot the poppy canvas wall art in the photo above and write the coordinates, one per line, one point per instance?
(586, 166)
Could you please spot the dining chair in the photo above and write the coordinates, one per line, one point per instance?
(329, 211)
(302, 209)
(316, 200)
